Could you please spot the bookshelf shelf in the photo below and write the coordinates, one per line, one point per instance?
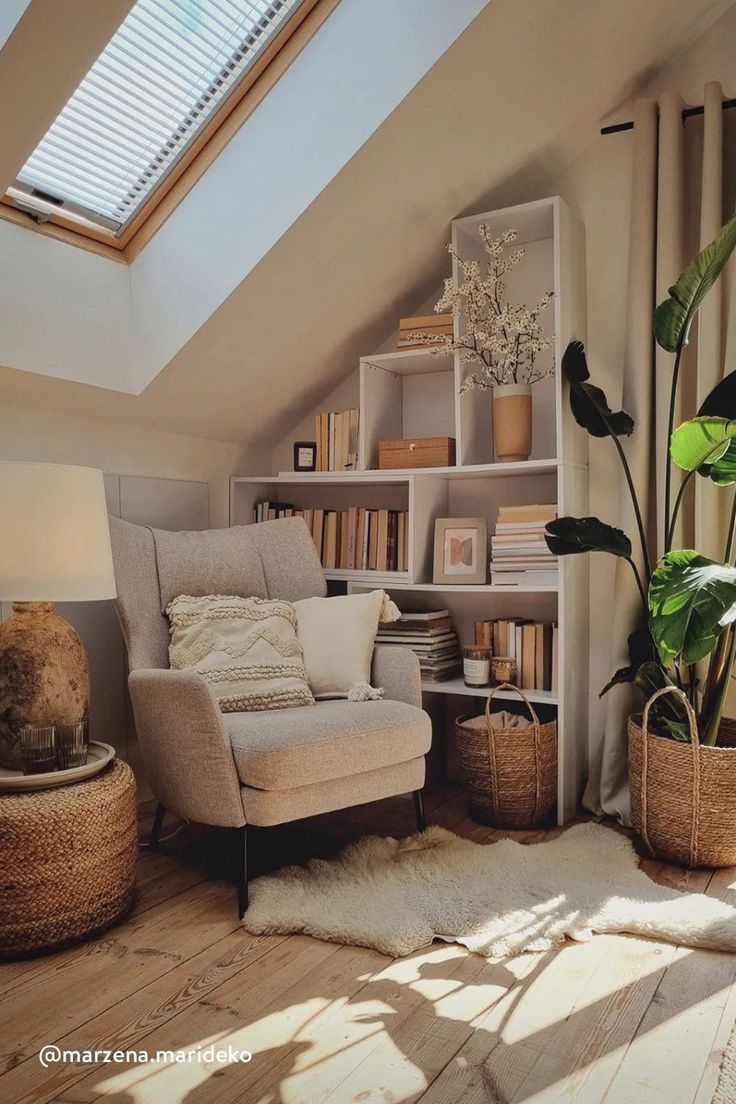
(458, 687)
(414, 393)
(475, 588)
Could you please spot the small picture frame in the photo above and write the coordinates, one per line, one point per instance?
(460, 550)
(305, 456)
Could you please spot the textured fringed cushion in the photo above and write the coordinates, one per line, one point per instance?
(246, 649)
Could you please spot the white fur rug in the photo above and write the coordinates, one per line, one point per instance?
(497, 899)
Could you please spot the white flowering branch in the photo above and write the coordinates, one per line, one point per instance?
(500, 339)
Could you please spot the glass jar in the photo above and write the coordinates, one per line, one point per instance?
(476, 665)
(503, 669)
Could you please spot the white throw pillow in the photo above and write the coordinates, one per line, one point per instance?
(337, 636)
(245, 648)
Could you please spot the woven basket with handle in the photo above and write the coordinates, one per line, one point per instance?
(683, 796)
(510, 774)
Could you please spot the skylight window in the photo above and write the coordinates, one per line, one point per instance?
(160, 79)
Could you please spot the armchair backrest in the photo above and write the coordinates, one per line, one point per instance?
(276, 559)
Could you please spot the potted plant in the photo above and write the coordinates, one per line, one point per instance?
(500, 340)
(682, 765)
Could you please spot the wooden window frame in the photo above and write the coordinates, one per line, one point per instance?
(286, 45)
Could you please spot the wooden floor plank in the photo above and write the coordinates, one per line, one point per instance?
(618, 1020)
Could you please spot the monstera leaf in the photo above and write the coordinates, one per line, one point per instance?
(567, 536)
(673, 317)
(721, 403)
(691, 598)
(588, 403)
(701, 440)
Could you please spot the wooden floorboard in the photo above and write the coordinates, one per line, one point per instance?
(618, 1020)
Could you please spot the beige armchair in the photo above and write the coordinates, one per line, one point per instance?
(266, 768)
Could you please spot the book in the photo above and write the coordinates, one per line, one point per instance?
(539, 657)
(336, 433)
(382, 541)
(526, 673)
(329, 556)
(555, 661)
(420, 321)
(373, 546)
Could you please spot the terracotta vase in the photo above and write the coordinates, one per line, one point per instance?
(44, 677)
(512, 421)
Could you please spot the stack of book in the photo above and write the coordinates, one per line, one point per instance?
(435, 327)
(534, 647)
(519, 552)
(337, 440)
(429, 634)
(355, 539)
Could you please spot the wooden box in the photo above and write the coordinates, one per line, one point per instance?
(418, 452)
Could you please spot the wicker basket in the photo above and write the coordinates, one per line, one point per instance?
(510, 774)
(683, 796)
(68, 858)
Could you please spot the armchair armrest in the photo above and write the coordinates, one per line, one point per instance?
(185, 748)
(397, 671)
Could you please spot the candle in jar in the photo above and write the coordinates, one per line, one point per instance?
(476, 665)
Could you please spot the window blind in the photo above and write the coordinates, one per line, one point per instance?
(159, 80)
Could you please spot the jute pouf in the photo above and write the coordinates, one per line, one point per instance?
(67, 861)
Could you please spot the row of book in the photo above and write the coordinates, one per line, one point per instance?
(337, 440)
(436, 329)
(519, 552)
(534, 646)
(430, 635)
(353, 539)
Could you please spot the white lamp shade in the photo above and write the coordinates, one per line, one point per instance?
(54, 534)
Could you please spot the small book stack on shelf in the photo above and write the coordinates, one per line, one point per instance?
(429, 634)
(356, 539)
(337, 440)
(435, 329)
(519, 552)
(535, 649)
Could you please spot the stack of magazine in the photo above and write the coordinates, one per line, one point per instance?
(429, 634)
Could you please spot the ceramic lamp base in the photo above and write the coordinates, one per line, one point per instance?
(44, 676)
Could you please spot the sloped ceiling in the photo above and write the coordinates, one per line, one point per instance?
(516, 97)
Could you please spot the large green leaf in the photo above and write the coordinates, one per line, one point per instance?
(588, 403)
(701, 440)
(567, 536)
(673, 317)
(721, 403)
(691, 598)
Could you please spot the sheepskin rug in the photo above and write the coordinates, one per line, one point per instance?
(497, 899)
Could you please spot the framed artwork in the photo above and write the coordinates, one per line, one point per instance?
(460, 550)
(305, 456)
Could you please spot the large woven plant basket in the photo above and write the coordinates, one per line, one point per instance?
(67, 861)
(683, 796)
(510, 774)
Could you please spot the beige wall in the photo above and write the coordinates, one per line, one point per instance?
(33, 434)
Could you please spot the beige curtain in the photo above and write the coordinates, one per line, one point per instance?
(679, 200)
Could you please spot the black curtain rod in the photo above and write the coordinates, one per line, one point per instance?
(686, 114)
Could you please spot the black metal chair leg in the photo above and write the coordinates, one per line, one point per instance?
(242, 871)
(158, 819)
(419, 810)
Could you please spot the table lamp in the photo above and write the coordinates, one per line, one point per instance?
(54, 547)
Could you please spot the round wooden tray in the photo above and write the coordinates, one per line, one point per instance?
(98, 756)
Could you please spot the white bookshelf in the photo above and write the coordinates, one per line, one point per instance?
(414, 393)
